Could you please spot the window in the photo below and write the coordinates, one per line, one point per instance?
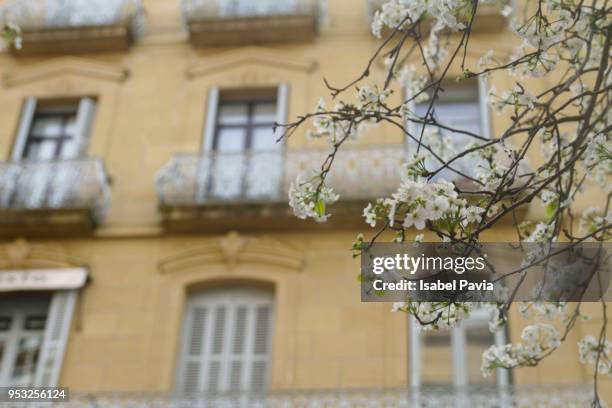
(453, 357)
(227, 341)
(33, 334)
(461, 107)
(244, 159)
(22, 325)
(51, 129)
(246, 125)
(51, 134)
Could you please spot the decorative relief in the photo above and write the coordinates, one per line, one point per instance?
(232, 249)
(251, 56)
(22, 254)
(62, 66)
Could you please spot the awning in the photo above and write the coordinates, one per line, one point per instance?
(42, 279)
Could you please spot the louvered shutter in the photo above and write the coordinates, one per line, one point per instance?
(55, 339)
(227, 345)
(197, 318)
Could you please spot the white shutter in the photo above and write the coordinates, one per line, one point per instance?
(282, 107)
(57, 329)
(82, 128)
(194, 346)
(27, 114)
(485, 110)
(211, 119)
(259, 370)
(208, 137)
(227, 341)
(414, 352)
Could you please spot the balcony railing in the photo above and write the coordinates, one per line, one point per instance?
(241, 22)
(55, 26)
(44, 188)
(485, 397)
(359, 173)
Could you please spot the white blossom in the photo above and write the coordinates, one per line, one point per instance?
(307, 202)
(590, 350)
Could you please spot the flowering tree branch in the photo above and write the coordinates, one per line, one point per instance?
(459, 183)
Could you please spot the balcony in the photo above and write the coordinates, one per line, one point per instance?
(74, 26)
(246, 22)
(488, 17)
(251, 188)
(63, 197)
(569, 395)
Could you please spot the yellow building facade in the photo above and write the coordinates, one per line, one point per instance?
(147, 245)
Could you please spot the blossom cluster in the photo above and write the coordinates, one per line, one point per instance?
(10, 33)
(436, 315)
(592, 351)
(310, 200)
(419, 201)
(537, 340)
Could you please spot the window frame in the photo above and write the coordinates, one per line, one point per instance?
(458, 351)
(231, 298)
(212, 107)
(54, 339)
(249, 126)
(208, 166)
(64, 113)
(85, 108)
(484, 109)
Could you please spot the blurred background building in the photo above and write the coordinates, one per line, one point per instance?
(148, 252)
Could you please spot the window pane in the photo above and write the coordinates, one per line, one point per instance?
(42, 150)
(264, 113)
(35, 322)
(459, 115)
(233, 114)
(5, 323)
(25, 361)
(69, 148)
(70, 126)
(478, 339)
(436, 358)
(48, 126)
(230, 140)
(263, 139)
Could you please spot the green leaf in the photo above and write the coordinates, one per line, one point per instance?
(320, 208)
(550, 209)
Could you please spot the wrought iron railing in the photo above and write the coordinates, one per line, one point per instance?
(195, 179)
(42, 14)
(516, 397)
(52, 185)
(219, 9)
